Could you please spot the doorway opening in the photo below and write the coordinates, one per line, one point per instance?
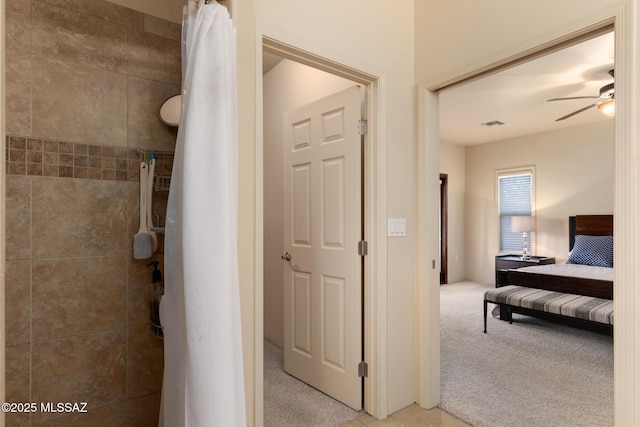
(444, 219)
(273, 241)
(430, 104)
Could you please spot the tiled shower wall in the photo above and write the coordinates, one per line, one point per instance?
(85, 80)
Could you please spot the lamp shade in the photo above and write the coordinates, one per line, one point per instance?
(608, 108)
(523, 223)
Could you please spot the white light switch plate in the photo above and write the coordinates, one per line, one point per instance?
(397, 227)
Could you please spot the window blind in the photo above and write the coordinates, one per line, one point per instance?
(514, 198)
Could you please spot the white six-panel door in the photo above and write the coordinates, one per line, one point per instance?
(322, 228)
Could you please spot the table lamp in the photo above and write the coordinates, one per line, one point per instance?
(524, 224)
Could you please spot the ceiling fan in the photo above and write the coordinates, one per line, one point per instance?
(604, 101)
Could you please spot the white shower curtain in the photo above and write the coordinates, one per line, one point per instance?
(203, 381)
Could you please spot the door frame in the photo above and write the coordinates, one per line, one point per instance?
(626, 23)
(374, 214)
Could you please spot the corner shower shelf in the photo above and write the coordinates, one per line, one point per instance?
(161, 183)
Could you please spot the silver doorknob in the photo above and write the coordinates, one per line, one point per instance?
(287, 256)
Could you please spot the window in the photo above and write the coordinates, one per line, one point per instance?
(515, 197)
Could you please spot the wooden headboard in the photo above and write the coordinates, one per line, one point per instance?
(591, 225)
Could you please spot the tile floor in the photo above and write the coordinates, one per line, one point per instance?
(411, 416)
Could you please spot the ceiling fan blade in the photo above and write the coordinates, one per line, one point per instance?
(576, 112)
(573, 97)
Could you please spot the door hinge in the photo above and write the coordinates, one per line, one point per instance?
(363, 248)
(362, 369)
(362, 127)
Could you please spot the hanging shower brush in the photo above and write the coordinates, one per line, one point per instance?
(142, 245)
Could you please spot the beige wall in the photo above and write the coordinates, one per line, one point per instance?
(453, 163)
(286, 87)
(84, 84)
(249, 218)
(452, 41)
(573, 175)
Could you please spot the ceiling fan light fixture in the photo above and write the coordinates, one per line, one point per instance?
(608, 108)
(604, 101)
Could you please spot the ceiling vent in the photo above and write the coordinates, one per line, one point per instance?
(492, 124)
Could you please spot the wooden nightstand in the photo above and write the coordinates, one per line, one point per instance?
(507, 262)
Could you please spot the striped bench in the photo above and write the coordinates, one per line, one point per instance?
(569, 305)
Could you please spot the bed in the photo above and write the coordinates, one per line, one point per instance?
(579, 292)
(569, 277)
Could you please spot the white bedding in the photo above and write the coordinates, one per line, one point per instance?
(572, 270)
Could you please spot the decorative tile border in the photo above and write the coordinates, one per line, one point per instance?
(45, 157)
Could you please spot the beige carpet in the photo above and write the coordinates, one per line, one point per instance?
(289, 402)
(532, 373)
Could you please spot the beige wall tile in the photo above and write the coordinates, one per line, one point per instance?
(162, 27)
(67, 65)
(76, 103)
(18, 21)
(87, 368)
(18, 217)
(145, 130)
(18, 311)
(72, 296)
(70, 36)
(74, 217)
(103, 10)
(17, 381)
(43, 156)
(144, 411)
(144, 362)
(108, 416)
(164, 166)
(18, 75)
(133, 213)
(18, 361)
(154, 57)
(138, 304)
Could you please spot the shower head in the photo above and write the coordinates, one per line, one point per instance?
(170, 111)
